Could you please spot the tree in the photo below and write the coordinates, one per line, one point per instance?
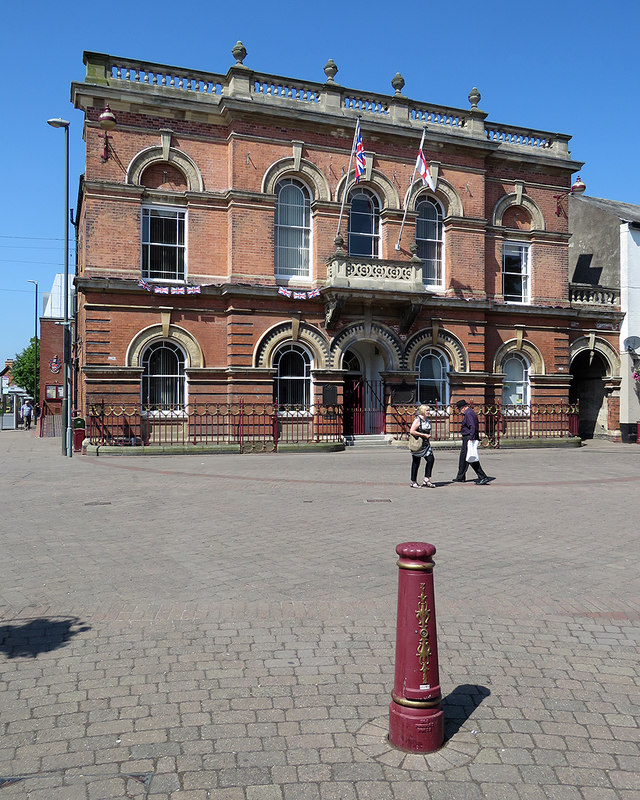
(22, 371)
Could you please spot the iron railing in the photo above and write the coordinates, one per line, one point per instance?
(253, 427)
(497, 421)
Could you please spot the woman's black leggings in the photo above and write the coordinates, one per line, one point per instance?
(415, 463)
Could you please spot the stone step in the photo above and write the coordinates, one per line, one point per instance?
(361, 442)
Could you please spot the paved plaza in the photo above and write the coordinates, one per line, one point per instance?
(223, 627)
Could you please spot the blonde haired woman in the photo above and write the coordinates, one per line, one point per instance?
(421, 427)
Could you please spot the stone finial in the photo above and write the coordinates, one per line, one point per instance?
(413, 249)
(339, 243)
(239, 52)
(330, 70)
(474, 98)
(397, 82)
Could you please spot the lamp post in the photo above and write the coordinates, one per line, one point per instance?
(36, 393)
(66, 350)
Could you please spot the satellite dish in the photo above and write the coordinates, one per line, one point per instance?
(631, 343)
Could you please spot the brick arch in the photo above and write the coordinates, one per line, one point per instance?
(379, 334)
(528, 349)
(603, 348)
(154, 333)
(379, 184)
(529, 205)
(444, 192)
(446, 341)
(164, 176)
(308, 172)
(178, 159)
(283, 332)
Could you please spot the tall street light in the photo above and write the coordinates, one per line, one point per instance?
(35, 356)
(66, 399)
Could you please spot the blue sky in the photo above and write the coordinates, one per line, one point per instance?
(569, 67)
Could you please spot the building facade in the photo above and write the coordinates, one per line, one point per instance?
(604, 260)
(226, 251)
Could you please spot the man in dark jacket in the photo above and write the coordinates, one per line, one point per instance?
(470, 431)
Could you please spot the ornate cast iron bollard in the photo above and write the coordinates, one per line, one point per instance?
(416, 718)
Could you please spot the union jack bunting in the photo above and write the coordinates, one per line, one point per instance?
(299, 295)
(145, 285)
(361, 161)
(285, 292)
(177, 290)
(193, 290)
(314, 293)
(161, 290)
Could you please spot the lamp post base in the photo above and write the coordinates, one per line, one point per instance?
(416, 730)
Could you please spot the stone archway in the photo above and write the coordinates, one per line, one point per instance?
(588, 389)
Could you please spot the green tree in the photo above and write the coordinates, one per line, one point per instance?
(22, 370)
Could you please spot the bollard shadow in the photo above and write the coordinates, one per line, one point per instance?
(39, 635)
(459, 705)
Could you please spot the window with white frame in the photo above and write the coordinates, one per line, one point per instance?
(163, 377)
(516, 272)
(515, 388)
(163, 244)
(292, 228)
(433, 377)
(429, 238)
(292, 382)
(364, 224)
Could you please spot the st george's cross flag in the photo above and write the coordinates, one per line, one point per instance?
(423, 170)
(361, 162)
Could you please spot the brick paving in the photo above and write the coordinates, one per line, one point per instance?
(222, 627)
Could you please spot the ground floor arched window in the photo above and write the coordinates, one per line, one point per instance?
(292, 382)
(515, 388)
(433, 377)
(163, 376)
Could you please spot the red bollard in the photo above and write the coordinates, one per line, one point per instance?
(416, 718)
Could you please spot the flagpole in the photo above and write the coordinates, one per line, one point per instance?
(404, 217)
(344, 194)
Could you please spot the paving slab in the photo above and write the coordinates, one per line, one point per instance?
(223, 626)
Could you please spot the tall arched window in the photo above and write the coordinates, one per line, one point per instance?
(163, 376)
(433, 377)
(292, 383)
(515, 389)
(364, 223)
(293, 227)
(429, 238)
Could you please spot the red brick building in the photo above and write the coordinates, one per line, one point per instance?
(216, 195)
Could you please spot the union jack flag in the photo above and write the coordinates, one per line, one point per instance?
(177, 290)
(299, 295)
(193, 290)
(361, 161)
(285, 292)
(161, 290)
(314, 293)
(145, 285)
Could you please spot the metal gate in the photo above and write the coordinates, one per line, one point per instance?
(363, 407)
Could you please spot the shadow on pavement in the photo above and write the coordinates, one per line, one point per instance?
(40, 635)
(459, 705)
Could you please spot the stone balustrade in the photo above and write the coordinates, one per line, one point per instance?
(585, 294)
(374, 274)
(242, 83)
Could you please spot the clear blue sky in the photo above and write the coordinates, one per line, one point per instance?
(569, 66)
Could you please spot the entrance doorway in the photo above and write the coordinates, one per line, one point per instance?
(588, 371)
(363, 392)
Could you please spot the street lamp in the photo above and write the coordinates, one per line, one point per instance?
(35, 355)
(66, 350)
(577, 188)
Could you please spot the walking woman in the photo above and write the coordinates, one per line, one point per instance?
(421, 428)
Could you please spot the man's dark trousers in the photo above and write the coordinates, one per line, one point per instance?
(463, 464)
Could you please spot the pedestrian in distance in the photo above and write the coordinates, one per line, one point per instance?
(26, 410)
(470, 430)
(420, 433)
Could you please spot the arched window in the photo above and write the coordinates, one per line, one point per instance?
(429, 238)
(293, 226)
(292, 383)
(364, 223)
(163, 376)
(515, 389)
(351, 362)
(433, 377)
